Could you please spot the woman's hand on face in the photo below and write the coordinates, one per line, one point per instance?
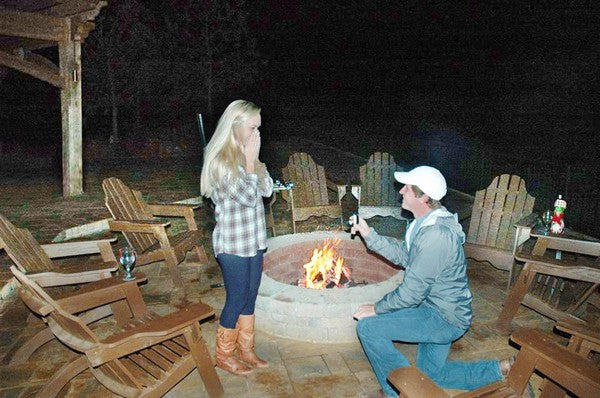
(251, 150)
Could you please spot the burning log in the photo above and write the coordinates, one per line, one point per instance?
(324, 270)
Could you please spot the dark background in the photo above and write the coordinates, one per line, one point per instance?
(474, 88)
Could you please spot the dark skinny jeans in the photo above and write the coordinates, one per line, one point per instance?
(241, 276)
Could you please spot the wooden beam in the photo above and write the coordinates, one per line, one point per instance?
(33, 25)
(35, 67)
(30, 44)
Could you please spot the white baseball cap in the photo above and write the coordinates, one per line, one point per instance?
(428, 179)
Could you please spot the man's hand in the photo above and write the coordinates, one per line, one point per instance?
(361, 227)
(365, 311)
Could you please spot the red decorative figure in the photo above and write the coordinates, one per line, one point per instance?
(558, 225)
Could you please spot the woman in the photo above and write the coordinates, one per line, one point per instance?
(236, 181)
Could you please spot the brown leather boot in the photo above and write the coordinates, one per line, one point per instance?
(245, 342)
(225, 347)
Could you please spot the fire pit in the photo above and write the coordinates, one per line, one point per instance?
(324, 315)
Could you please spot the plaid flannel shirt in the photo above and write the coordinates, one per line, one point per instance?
(240, 215)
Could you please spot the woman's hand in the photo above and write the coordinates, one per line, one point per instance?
(251, 150)
(365, 311)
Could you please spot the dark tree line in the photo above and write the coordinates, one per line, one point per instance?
(153, 65)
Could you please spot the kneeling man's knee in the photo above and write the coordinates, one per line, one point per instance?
(362, 328)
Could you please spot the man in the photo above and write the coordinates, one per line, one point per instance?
(432, 306)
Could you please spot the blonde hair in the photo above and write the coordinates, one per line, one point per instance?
(223, 155)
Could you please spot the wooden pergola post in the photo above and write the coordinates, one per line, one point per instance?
(69, 52)
(65, 24)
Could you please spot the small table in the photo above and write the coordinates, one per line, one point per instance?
(550, 272)
(284, 189)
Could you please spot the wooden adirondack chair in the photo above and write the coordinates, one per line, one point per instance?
(133, 217)
(376, 194)
(34, 259)
(496, 210)
(538, 353)
(310, 197)
(149, 356)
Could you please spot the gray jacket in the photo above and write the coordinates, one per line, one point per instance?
(435, 269)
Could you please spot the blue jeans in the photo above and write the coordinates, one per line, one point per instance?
(434, 335)
(241, 276)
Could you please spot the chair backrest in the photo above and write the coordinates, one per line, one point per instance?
(377, 181)
(496, 210)
(72, 332)
(23, 249)
(310, 183)
(124, 203)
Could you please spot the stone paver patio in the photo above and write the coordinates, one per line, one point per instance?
(297, 369)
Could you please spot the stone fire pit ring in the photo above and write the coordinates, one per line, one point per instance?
(323, 316)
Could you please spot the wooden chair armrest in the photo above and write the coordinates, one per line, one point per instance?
(67, 249)
(579, 329)
(529, 221)
(148, 334)
(171, 210)
(147, 226)
(176, 210)
(48, 279)
(100, 292)
(412, 383)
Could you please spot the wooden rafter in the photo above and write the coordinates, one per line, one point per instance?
(34, 65)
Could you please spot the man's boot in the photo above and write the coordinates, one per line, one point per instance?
(225, 347)
(245, 342)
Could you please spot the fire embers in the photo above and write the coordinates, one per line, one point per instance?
(325, 269)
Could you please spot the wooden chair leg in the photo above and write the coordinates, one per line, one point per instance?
(201, 254)
(62, 376)
(203, 360)
(515, 297)
(171, 261)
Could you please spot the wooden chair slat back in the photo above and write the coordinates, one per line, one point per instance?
(23, 249)
(496, 210)
(123, 203)
(310, 184)
(377, 181)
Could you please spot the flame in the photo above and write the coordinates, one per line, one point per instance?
(324, 267)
